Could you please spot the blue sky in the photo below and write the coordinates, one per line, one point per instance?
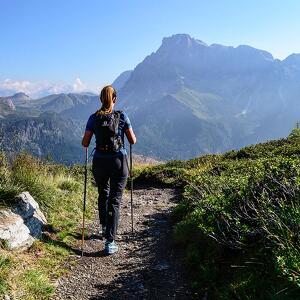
(93, 41)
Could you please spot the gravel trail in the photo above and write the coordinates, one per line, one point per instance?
(146, 266)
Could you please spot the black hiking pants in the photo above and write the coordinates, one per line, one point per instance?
(110, 174)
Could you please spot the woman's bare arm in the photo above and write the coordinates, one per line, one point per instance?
(130, 136)
(87, 138)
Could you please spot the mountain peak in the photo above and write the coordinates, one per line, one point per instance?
(181, 40)
(20, 96)
(292, 60)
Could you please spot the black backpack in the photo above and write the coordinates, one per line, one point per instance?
(106, 129)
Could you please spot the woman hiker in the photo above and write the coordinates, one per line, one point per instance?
(110, 168)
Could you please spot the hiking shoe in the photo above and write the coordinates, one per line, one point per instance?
(111, 247)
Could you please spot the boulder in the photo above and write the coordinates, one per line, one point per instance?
(13, 230)
(21, 224)
(25, 205)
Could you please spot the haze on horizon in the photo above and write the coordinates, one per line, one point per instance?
(61, 46)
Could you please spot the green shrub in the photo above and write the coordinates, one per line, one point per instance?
(239, 219)
(69, 185)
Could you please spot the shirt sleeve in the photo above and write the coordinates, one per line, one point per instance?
(127, 122)
(90, 124)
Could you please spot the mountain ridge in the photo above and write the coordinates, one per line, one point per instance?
(250, 83)
(233, 96)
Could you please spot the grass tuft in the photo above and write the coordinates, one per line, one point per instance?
(38, 284)
(5, 264)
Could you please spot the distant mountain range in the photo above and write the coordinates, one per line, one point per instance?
(185, 99)
(190, 98)
(51, 126)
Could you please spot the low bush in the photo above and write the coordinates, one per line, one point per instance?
(239, 220)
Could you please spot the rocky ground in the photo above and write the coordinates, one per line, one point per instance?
(147, 266)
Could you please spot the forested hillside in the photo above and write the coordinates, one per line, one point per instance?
(49, 127)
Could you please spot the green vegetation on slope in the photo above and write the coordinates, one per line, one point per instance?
(239, 219)
(204, 105)
(58, 190)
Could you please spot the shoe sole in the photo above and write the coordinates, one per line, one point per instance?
(109, 252)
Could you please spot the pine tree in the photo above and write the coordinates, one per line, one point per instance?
(295, 133)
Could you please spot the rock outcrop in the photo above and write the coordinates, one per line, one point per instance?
(22, 223)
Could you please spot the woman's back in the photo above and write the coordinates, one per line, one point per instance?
(109, 129)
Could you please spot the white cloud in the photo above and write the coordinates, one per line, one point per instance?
(37, 89)
(15, 85)
(78, 85)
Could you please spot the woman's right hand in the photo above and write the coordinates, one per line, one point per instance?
(130, 136)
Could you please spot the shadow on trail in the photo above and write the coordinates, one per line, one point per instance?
(92, 236)
(149, 268)
(74, 249)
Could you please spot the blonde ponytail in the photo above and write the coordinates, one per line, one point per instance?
(107, 96)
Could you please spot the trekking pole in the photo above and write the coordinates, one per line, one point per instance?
(131, 188)
(84, 198)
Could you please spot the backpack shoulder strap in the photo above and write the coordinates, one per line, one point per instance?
(117, 115)
(118, 112)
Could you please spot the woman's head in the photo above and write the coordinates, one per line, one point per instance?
(108, 97)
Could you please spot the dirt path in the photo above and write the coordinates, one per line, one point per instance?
(146, 266)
